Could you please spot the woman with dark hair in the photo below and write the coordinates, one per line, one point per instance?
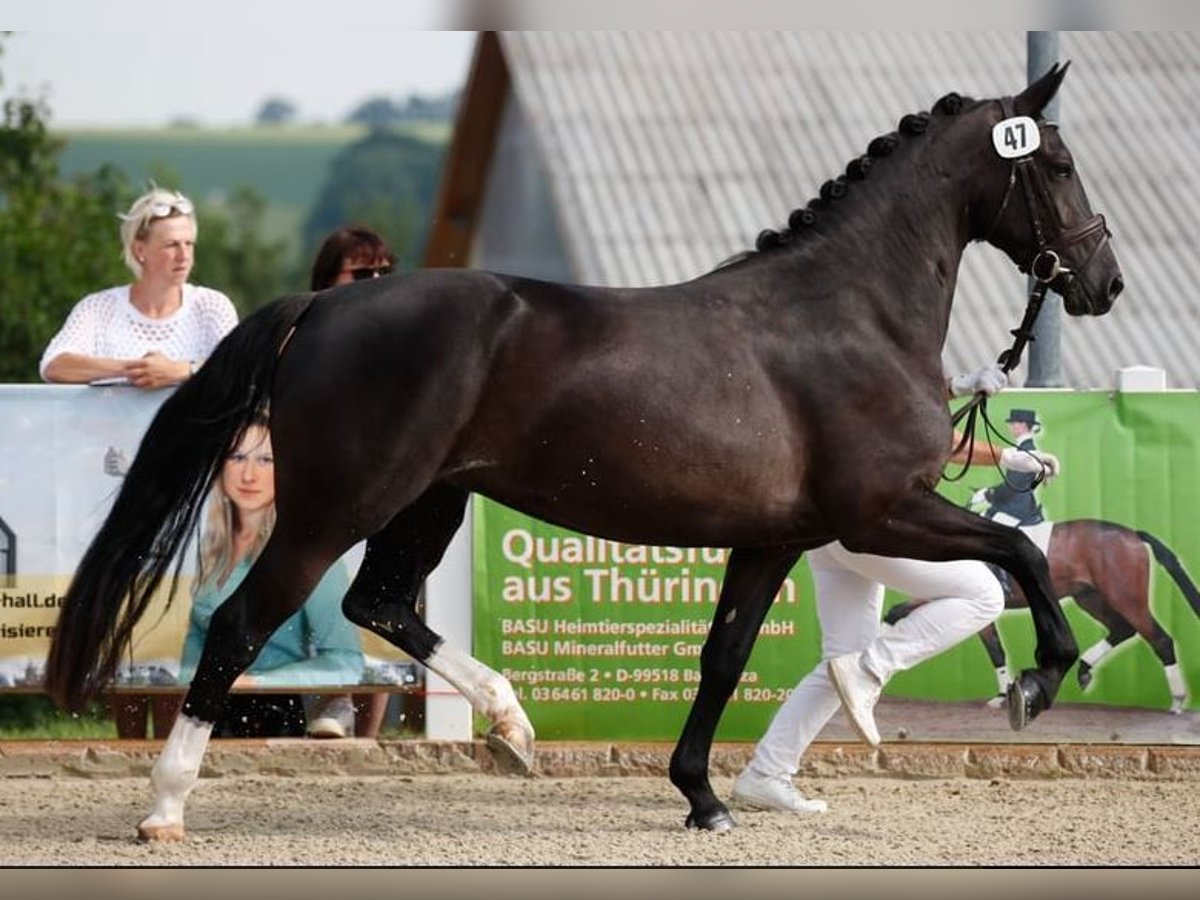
(352, 253)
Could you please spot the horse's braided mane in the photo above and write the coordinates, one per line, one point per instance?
(803, 218)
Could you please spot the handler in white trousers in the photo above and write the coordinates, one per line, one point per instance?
(858, 657)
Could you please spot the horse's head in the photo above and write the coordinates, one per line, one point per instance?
(1040, 215)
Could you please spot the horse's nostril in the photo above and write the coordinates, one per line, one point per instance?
(1115, 287)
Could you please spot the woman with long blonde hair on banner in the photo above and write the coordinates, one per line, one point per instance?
(316, 646)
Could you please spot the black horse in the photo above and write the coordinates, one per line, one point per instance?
(786, 399)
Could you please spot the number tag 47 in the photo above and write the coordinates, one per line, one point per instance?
(1016, 137)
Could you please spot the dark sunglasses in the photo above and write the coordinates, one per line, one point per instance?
(362, 273)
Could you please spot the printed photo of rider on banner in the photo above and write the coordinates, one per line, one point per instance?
(569, 618)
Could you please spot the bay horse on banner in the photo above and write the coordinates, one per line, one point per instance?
(1106, 568)
(786, 399)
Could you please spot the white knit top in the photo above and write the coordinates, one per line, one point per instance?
(106, 324)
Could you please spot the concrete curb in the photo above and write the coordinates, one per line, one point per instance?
(825, 759)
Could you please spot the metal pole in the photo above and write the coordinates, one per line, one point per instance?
(1045, 352)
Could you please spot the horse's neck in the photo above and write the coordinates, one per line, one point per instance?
(889, 251)
(887, 254)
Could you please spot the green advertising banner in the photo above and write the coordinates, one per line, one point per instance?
(601, 639)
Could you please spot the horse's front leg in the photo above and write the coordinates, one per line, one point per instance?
(1035, 689)
(752, 580)
(237, 632)
(383, 599)
(925, 525)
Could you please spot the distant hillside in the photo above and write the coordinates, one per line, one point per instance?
(287, 165)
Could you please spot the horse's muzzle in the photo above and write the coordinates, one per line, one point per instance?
(1082, 292)
(1079, 301)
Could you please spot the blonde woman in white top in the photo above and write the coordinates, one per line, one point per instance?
(154, 332)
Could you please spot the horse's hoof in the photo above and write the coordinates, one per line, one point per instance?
(1084, 676)
(1022, 706)
(998, 701)
(512, 749)
(160, 834)
(717, 821)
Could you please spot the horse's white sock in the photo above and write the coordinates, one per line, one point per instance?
(177, 769)
(1096, 652)
(488, 692)
(1177, 685)
(1003, 679)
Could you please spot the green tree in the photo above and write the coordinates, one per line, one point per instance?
(377, 112)
(386, 181)
(231, 254)
(431, 109)
(276, 111)
(56, 237)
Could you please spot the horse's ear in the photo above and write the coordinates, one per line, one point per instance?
(1032, 100)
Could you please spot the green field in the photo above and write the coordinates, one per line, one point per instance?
(287, 165)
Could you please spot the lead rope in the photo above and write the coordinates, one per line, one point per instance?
(976, 407)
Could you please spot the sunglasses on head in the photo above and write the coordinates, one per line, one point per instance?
(362, 273)
(180, 204)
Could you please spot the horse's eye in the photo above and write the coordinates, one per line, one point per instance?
(1062, 170)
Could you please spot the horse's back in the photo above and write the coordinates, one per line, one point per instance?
(648, 414)
(675, 414)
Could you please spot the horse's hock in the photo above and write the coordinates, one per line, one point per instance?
(351, 757)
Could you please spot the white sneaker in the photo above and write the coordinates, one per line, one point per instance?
(333, 719)
(767, 792)
(859, 691)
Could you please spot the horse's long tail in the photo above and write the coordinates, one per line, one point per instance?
(155, 512)
(1169, 561)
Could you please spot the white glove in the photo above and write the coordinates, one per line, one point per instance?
(978, 498)
(115, 463)
(1029, 461)
(991, 380)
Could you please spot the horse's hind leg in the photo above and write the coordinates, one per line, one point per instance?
(752, 579)
(174, 775)
(1175, 680)
(276, 586)
(1123, 621)
(383, 599)
(1094, 604)
(990, 636)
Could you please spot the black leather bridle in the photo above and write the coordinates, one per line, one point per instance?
(1045, 266)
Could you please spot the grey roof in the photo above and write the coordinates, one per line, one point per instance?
(668, 152)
